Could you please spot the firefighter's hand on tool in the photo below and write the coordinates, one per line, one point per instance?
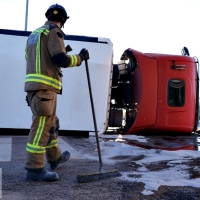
(68, 48)
(84, 54)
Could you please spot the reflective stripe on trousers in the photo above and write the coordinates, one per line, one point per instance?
(35, 148)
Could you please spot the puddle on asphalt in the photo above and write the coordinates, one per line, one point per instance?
(167, 142)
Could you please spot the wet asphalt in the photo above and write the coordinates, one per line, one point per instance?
(14, 185)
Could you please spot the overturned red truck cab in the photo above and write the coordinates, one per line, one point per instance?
(154, 92)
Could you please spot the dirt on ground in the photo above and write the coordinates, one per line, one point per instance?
(15, 186)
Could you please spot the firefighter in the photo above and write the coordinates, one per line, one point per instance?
(45, 55)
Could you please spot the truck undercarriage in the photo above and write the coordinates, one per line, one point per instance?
(123, 109)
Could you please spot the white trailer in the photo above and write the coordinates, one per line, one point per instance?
(74, 108)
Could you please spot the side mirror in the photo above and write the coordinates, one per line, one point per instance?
(185, 51)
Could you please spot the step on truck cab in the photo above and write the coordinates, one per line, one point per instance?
(154, 92)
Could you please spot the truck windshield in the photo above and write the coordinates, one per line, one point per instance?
(176, 93)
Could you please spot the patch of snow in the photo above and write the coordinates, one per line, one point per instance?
(175, 175)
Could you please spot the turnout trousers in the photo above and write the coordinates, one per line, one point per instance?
(43, 134)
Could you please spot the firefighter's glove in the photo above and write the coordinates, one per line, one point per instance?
(84, 54)
(68, 48)
(27, 101)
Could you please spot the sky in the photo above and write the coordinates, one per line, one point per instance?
(175, 175)
(148, 26)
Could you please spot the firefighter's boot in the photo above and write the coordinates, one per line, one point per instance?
(41, 175)
(63, 158)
